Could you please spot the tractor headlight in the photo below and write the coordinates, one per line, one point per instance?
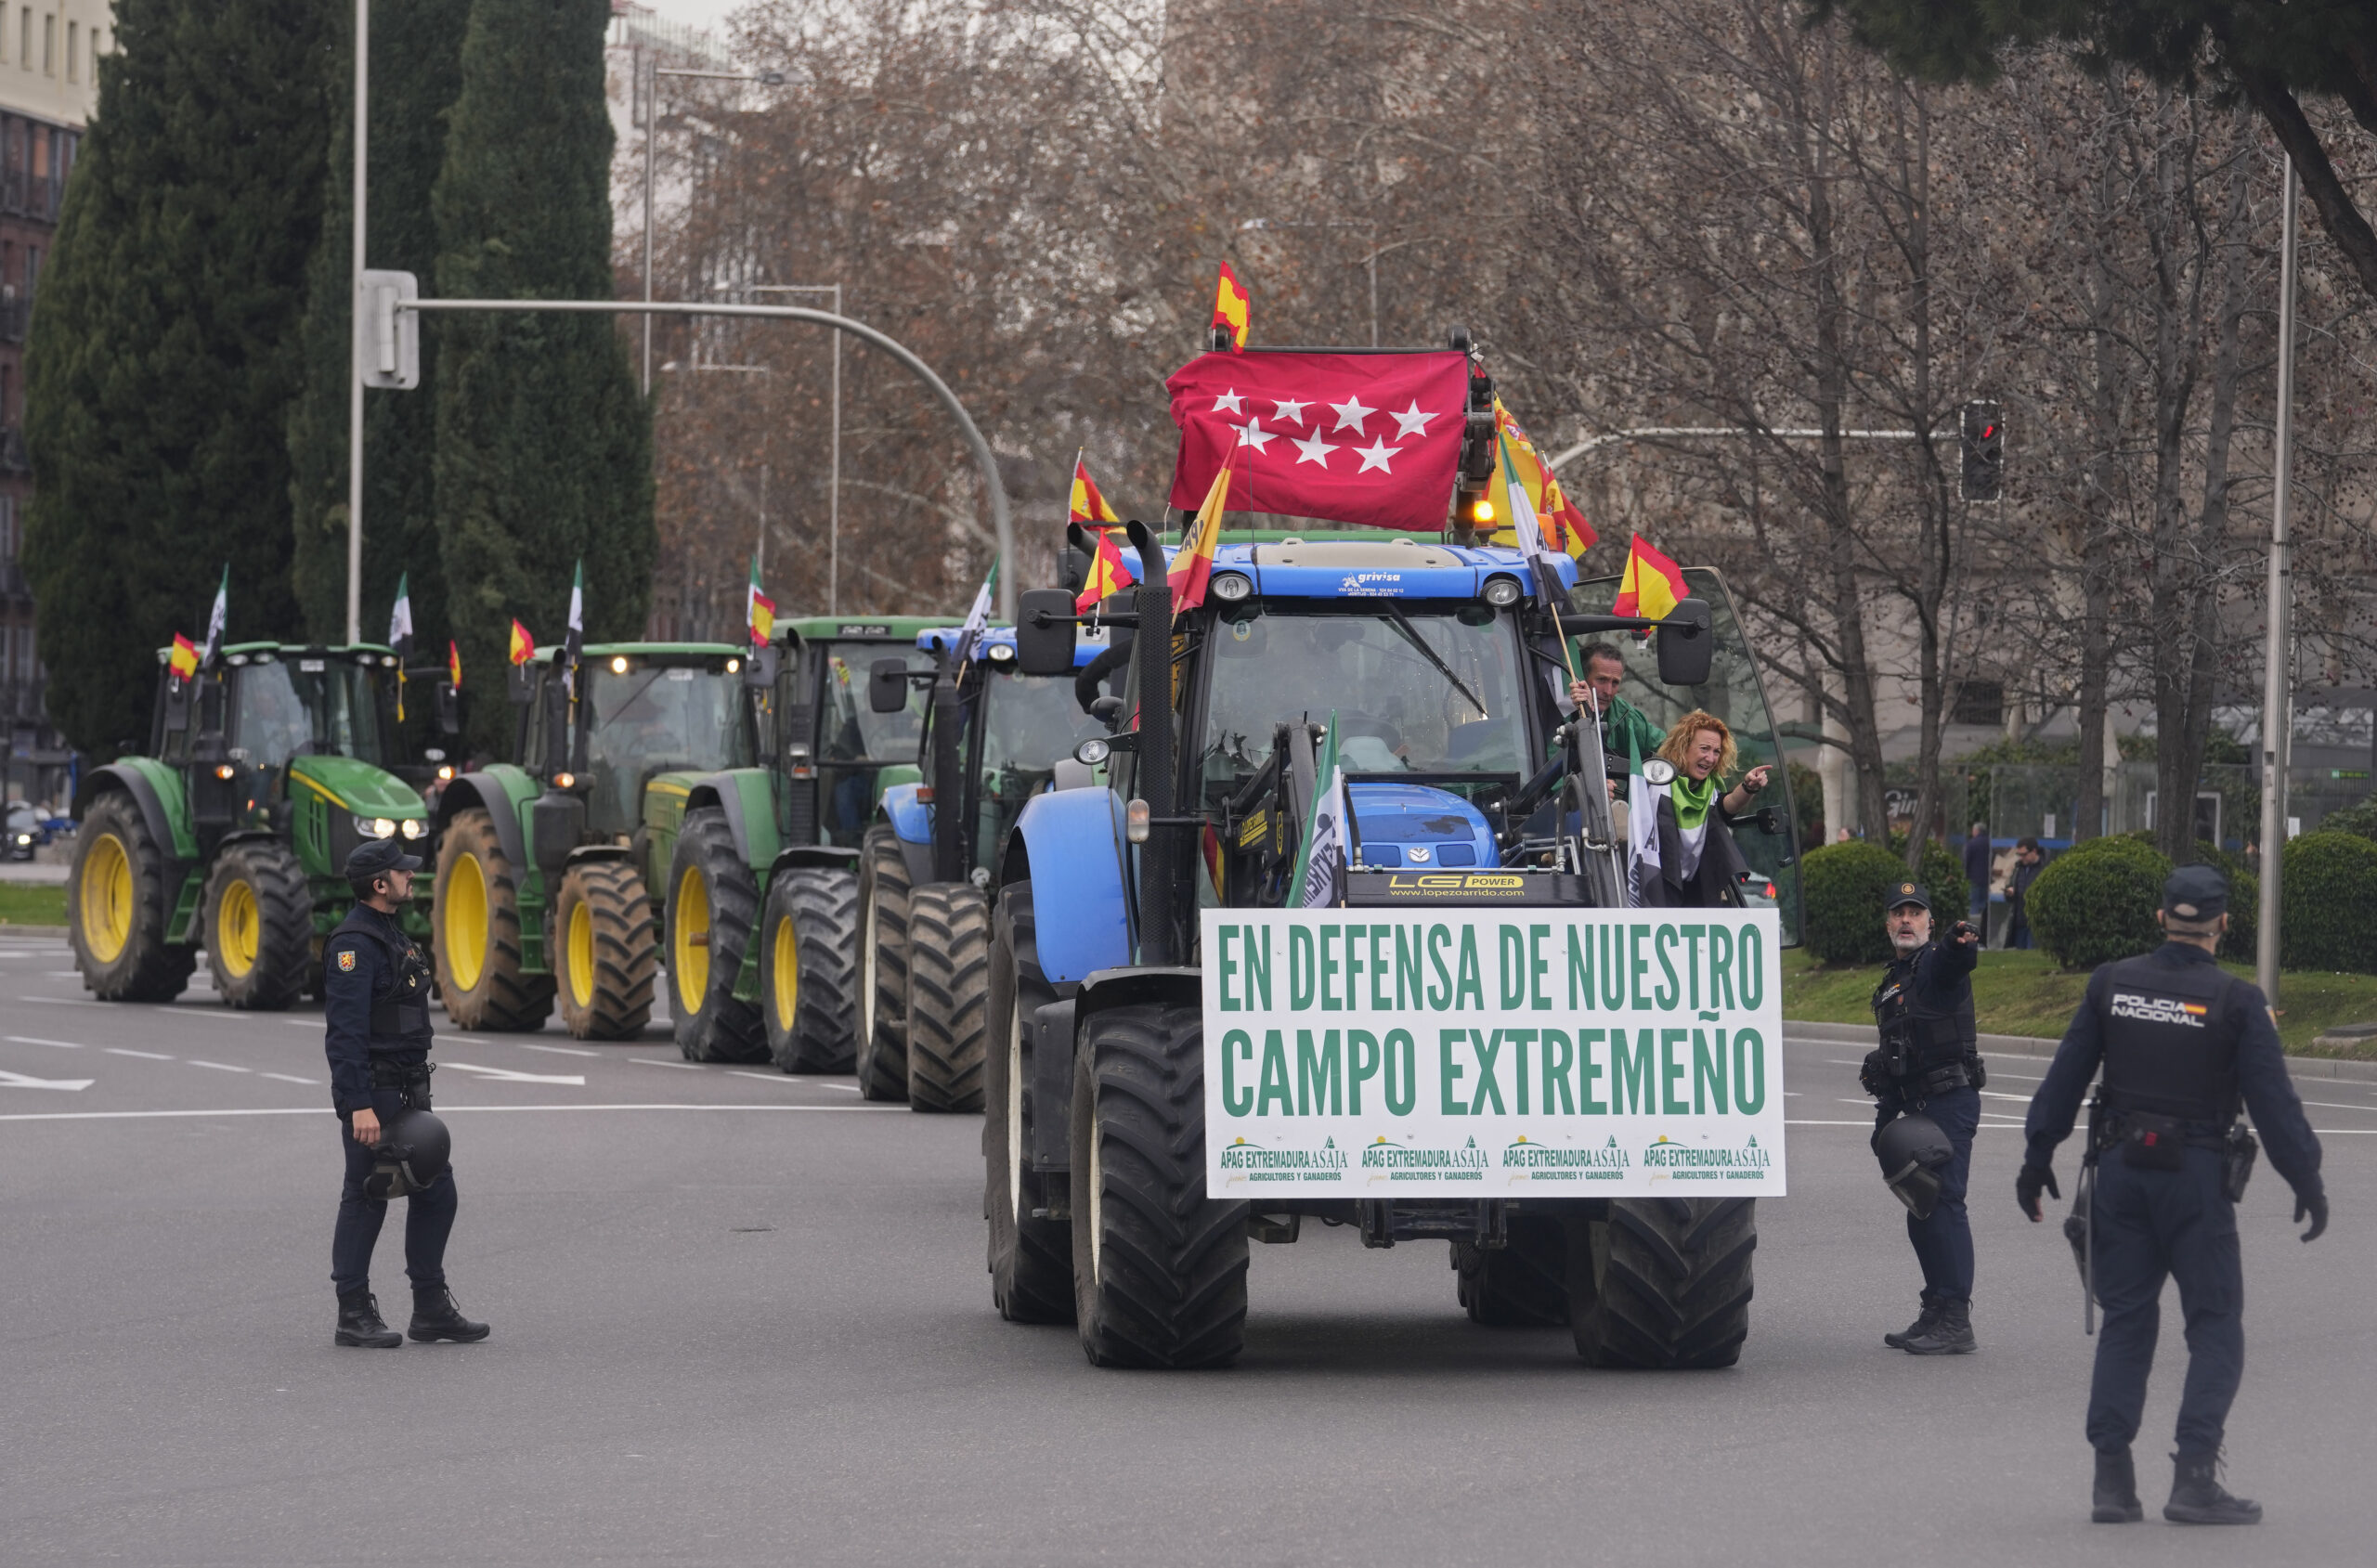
(375, 828)
(619, 664)
(413, 827)
(734, 666)
(1502, 592)
(1000, 653)
(1231, 587)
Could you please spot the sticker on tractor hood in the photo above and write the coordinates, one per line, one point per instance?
(1543, 1053)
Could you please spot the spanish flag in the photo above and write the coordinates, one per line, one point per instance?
(1232, 308)
(1089, 506)
(1653, 585)
(763, 610)
(1110, 571)
(453, 664)
(1194, 566)
(524, 647)
(183, 660)
(1564, 526)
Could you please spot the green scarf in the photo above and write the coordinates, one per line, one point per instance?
(1692, 801)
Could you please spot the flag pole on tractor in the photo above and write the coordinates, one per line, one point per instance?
(1530, 537)
(400, 635)
(760, 610)
(216, 618)
(1319, 881)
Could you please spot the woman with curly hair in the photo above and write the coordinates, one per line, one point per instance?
(1698, 866)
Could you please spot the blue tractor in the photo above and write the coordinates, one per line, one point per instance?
(1443, 665)
(995, 737)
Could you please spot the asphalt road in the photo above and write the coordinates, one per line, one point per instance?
(741, 1317)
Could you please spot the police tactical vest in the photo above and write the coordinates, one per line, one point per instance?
(2169, 1048)
(399, 1017)
(1930, 1038)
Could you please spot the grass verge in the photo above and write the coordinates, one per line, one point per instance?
(32, 903)
(2025, 993)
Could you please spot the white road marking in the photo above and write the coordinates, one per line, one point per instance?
(2323, 1105)
(556, 1050)
(442, 1110)
(30, 1039)
(648, 1061)
(219, 1067)
(289, 1078)
(19, 1081)
(505, 1074)
(144, 1055)
(63, 1000)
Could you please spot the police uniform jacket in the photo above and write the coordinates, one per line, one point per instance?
(2187, 1041)
(375, 1001)
(1924, 1009)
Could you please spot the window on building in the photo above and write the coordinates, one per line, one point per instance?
(49, 44)
(7, 531)
(1980, 701)
(25, 37)
(33, 271)
(73, 50)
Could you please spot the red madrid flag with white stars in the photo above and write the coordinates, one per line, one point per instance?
(1372, 439)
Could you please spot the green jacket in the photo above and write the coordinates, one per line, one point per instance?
(1625, 719)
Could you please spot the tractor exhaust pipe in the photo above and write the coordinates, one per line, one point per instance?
(1160, 858)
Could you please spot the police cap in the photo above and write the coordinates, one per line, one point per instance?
(2195, 892)
(1908, 893)
(375, 856)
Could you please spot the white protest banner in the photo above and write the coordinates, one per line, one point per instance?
(1494, 1052)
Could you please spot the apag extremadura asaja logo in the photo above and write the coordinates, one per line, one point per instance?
(1526, 1160)
(1707, 1162)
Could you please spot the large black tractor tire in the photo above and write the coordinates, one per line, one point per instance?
(259, 926)
(606, 951)
(949, 990)
(1523, 1284)
(480, 976)
(1664, 1283)
(713, 903)
(883, 895)
(808, 969)
(1032, 1259)
(119, 903)
(1158, 1268)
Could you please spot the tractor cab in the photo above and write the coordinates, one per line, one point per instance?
(840, 751)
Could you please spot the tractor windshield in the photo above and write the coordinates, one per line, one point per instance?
(1030, 722)
(1436, 689)
(849, 730)
(302, 706)
(656, 720)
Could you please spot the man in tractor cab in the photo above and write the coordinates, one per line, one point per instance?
(1605, 669)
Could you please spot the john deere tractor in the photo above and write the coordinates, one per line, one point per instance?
(993, 738)
(265, 769)
(545, 867)
(779, 841)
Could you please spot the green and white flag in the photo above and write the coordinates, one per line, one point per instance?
(216, 618)
(977, 619)
(1320, 877)
(576, 639)
(400, 617)
(1642, 824)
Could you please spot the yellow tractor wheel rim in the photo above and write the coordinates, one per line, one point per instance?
(787, 988)
(107, 899)
(238, 930)
(582, 955)
(462, 920)
(689, 940)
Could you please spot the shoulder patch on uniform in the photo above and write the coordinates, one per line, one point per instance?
(346, 960)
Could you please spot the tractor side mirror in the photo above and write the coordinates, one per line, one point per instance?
(1043, 631)
(760, 667)
(178, 694)
(1686, 644)
(887, 686)
(449, 710)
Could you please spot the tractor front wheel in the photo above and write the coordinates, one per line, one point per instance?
(119, 903)
(610, 948)
(1664, 1283)
(713, 902)
(808, 968)
(949, 970)
(480, 964)
(883, 896)
(259, 926)
(1031, 1257)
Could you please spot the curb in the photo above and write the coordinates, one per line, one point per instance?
(7, 930)
(2030, 1045)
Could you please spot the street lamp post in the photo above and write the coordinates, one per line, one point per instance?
(355, 337)
(2277, 697)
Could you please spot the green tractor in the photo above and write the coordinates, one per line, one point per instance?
(266, 767)
(545, 867)
(776, 845)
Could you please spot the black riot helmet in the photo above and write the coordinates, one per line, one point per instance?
(1912, 1151)
(415, 1149)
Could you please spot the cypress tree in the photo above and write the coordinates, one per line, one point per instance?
(544, 445)
(164, 349)
(416, 73)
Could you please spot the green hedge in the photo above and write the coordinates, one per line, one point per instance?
(2244, 895)
(2359, 819)
(2329, 903)
(1844, 887)
(2096, 902)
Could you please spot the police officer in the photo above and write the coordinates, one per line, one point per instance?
(1929, 1063)
(376, 1004)
(2180, 1040)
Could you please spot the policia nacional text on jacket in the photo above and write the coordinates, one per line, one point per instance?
(2180, 1041)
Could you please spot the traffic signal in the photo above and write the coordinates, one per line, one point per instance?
(1984, 452)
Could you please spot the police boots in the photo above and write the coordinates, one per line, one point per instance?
(1925, 1321)
(1950, 1334)
(2197, 1497)
(434, 1316)
(2116, 1495)
(358, 1323)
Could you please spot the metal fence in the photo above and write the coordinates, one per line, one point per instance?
(2040, 801)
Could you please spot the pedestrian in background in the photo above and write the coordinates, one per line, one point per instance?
(2182, 1042)
(2028, 858)
(1977, 868)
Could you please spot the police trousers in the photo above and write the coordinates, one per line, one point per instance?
(1943, 1242)
(2151, 1224)
(429, 1213)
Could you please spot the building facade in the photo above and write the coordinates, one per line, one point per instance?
(49, 64)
